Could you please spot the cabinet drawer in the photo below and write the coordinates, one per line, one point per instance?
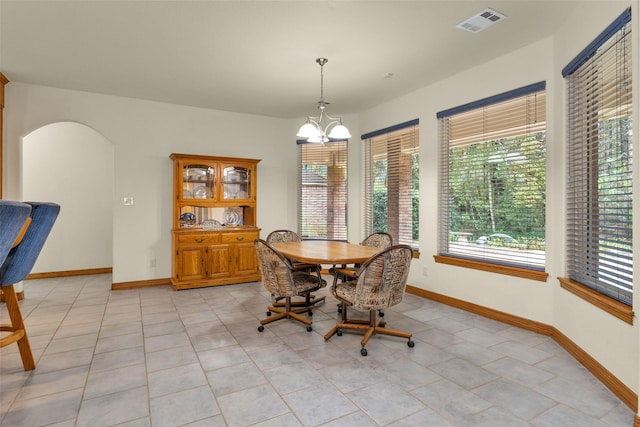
(247, 237)
(204, 239)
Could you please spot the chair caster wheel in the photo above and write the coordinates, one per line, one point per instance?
(363, 351)
(260, 328)
(381, 313)
(268, 314)
(309, 329)
(339, 332)
(411, 344)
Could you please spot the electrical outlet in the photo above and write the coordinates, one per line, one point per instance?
(152, 262)
(424, 271)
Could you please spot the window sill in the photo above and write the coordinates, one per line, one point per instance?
(603, 302)
(540, 276)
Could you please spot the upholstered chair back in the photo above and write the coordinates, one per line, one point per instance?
(382, 279)
(379, 239)
(21, 258)
(283, 236)
(276, 270)
(12, 217)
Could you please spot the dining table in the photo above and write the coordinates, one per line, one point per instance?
(329, 252)
(325, 251)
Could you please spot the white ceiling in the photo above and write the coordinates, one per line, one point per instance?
(259, 56)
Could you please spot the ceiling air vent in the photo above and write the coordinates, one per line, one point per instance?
(481, 21)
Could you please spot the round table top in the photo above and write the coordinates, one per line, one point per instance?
(325, 251)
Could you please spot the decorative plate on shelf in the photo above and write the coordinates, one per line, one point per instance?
(233, 216)
(187, 219)
(202, 192)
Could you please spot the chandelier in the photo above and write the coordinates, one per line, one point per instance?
(314, 130)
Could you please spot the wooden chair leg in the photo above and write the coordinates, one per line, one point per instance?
(370, 327)
(288, 311)
(17, 329)
(343, 312)
(393, 332)
(20, 295)
(344, 323)
(309, 301)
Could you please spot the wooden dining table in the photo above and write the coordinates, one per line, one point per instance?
(325, 251)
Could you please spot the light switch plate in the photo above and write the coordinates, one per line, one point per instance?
(128, 201)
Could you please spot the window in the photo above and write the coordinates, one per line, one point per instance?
(599, 188)
(391, 182)
(492, 175)
(322, 175)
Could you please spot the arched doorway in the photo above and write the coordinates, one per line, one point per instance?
(71, 164)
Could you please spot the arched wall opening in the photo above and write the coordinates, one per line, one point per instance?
(73, 165)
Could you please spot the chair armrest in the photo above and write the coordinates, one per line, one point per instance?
(347, 272)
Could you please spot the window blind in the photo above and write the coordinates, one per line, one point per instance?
(493, 180)
(599, 187)
(392, 182)
(322, 186)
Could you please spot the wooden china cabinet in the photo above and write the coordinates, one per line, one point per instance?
(214, 221)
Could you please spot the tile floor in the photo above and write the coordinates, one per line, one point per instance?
(155, 357)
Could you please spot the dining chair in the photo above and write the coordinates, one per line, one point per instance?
(16, 267)
(292, 236)
(284, 235)
(379, 239)
(284, 282)
(380, 282)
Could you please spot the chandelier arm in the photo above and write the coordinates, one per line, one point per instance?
(328, 117)
(330, 124)
(314, 121)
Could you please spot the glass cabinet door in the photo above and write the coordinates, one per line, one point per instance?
(236, 182)
(198, 182)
